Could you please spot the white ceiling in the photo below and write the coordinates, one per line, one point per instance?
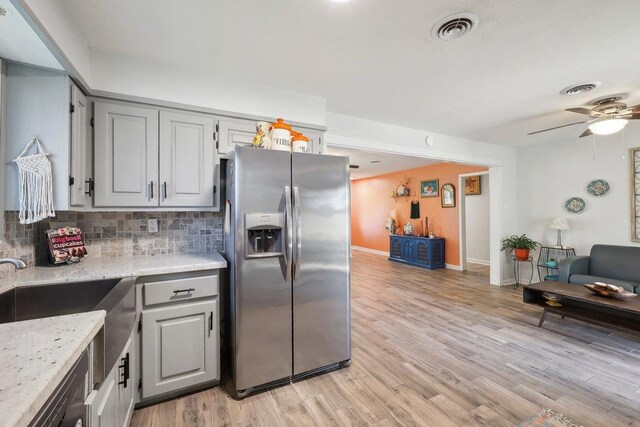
(376, 59)
(19, 43)
(387, 162)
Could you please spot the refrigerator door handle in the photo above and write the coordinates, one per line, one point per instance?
(289, 229)
(297, 219)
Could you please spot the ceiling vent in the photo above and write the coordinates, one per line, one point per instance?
(609, 99)
(578, 89)
(455, 26)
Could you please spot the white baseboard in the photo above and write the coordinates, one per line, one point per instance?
(386, 254)
(478, 261)
(371, 251)
(507, 282)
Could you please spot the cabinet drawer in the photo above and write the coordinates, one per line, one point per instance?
(179, 290)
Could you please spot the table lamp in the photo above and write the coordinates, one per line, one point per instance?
(559, 224)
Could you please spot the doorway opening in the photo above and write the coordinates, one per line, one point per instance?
(475, 223)
(397, 194)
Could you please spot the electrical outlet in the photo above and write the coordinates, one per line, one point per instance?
(152, 225)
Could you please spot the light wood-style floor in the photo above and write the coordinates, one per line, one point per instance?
(441, 348)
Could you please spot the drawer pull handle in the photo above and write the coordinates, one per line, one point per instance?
(178, 291)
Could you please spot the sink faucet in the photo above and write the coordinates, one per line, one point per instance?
(17, 263)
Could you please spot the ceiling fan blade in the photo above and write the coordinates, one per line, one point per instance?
(581, 110)
(557, 127)
(635, 108)
(586, 133)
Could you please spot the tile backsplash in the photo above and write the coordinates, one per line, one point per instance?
(18, 242)
(116, 234)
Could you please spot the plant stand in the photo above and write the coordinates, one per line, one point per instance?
(516, 270)
(547, 253)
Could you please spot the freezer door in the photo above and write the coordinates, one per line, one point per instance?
(321, 280)
(262, 295)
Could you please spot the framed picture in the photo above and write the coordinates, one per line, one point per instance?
(448, 196)
(429, 188)
(472, 185)
(634, 162)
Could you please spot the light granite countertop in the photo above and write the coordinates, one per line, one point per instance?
(35, 355)
(112, 268)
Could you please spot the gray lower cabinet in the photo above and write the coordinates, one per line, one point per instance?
(112, 404)
(179, 347)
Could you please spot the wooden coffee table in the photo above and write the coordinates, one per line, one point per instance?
(580, 303)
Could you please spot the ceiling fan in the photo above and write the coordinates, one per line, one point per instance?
(607, 117)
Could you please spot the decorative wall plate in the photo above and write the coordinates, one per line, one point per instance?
(575, 205)
(598, 188)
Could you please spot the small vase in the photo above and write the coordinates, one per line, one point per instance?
(521, 254)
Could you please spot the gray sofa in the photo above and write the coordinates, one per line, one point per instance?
(616, 265)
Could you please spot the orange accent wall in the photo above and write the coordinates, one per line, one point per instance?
(371, 204)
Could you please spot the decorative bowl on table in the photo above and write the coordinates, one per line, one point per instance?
(609, 291)
(552, 299)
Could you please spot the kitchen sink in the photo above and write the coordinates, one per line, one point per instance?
(115, 296)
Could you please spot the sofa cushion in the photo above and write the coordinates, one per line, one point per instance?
(615, 262)
(582, 279)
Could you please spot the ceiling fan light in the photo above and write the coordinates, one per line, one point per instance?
(607, 127)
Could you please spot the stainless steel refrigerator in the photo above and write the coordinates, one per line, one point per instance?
(288, 247)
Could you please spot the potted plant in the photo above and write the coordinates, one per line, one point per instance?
(520, 245)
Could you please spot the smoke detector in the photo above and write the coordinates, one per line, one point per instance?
(455, 26)
(580, 88)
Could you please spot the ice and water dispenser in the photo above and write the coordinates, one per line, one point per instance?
(264, 235)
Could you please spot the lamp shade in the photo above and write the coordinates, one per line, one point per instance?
(559, 224)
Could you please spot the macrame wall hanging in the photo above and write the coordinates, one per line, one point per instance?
(36, 184)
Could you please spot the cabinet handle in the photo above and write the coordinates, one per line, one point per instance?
(151, 189)
(89, 183)
(164, 187)
(177, 291)
(125, 370)
(211, 322)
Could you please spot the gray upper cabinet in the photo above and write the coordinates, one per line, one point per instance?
(240, 132)
(234, 132)
(80, 171)
(316, 140)
(179, 347)
(187, 160)
(126, 156)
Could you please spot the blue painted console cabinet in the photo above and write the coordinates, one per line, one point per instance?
(419, 251)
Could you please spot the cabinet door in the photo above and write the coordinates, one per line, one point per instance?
(104, 411)
(408, 250)
(126, 156)
(187, 157)
(126, 391)
(316, 140)
(80, 162)
(395, 248)
(232, 132)
(179, 347)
